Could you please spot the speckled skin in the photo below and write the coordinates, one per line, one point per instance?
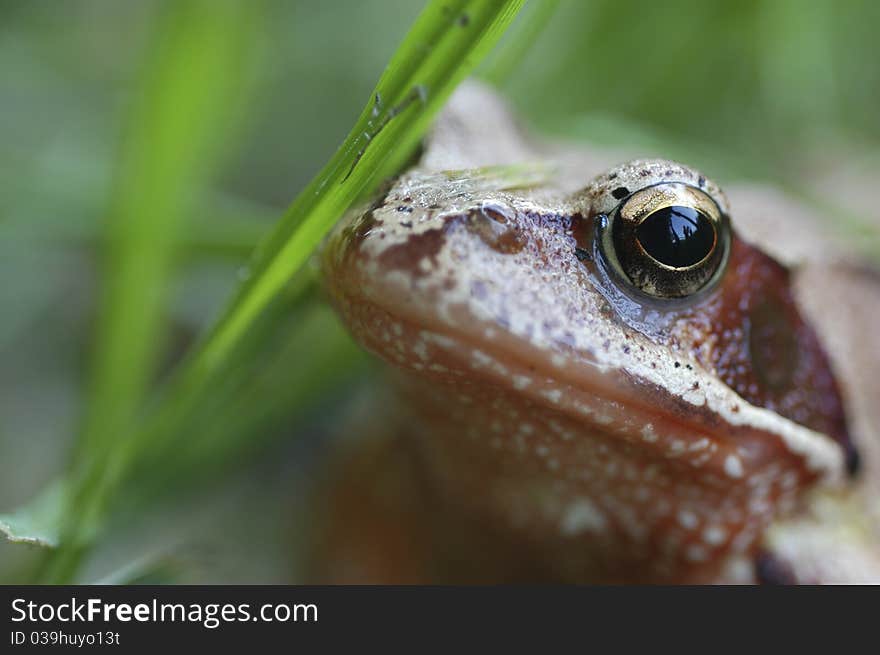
(569, 429)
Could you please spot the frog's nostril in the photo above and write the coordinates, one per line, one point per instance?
(496, 227)
(497, 213)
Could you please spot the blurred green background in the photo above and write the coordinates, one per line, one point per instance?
(784, 92)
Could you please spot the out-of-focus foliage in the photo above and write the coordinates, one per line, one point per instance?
(764, 80)
(781, 91)
(186, 95)
(784, 91)
(195, 71)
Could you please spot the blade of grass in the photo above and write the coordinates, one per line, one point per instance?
(177, 131)
(171, 149)
(503, 61)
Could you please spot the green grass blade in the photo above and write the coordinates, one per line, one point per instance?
(169, 153)
(177, 130)
(507, 57)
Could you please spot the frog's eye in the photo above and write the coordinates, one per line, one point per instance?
(669, 240)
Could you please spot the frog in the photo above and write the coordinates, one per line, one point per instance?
(600, 373)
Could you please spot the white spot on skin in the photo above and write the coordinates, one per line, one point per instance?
(759, 506)
(738, 570)
(421, 350)
(582, 516)
(733, 466)
(789, 480)
(687, 519)
(702, 444)
(695, 553)
(520, 382)
(439, 339)
(743, 541)
(677, 446)
(714, 535)
(583, 409)
(553, 395)
(480, 358)
(648, 433)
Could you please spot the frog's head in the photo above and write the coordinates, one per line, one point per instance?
(612, 363)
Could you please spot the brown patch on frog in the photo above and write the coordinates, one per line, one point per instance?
(751, 334)
(582, 231)
(407, 255)
(500, 228)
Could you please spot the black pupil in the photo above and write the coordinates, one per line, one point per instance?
(676, 236)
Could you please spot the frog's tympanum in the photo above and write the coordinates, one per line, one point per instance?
(629, 379)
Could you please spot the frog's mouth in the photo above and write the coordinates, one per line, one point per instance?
(736, 445)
